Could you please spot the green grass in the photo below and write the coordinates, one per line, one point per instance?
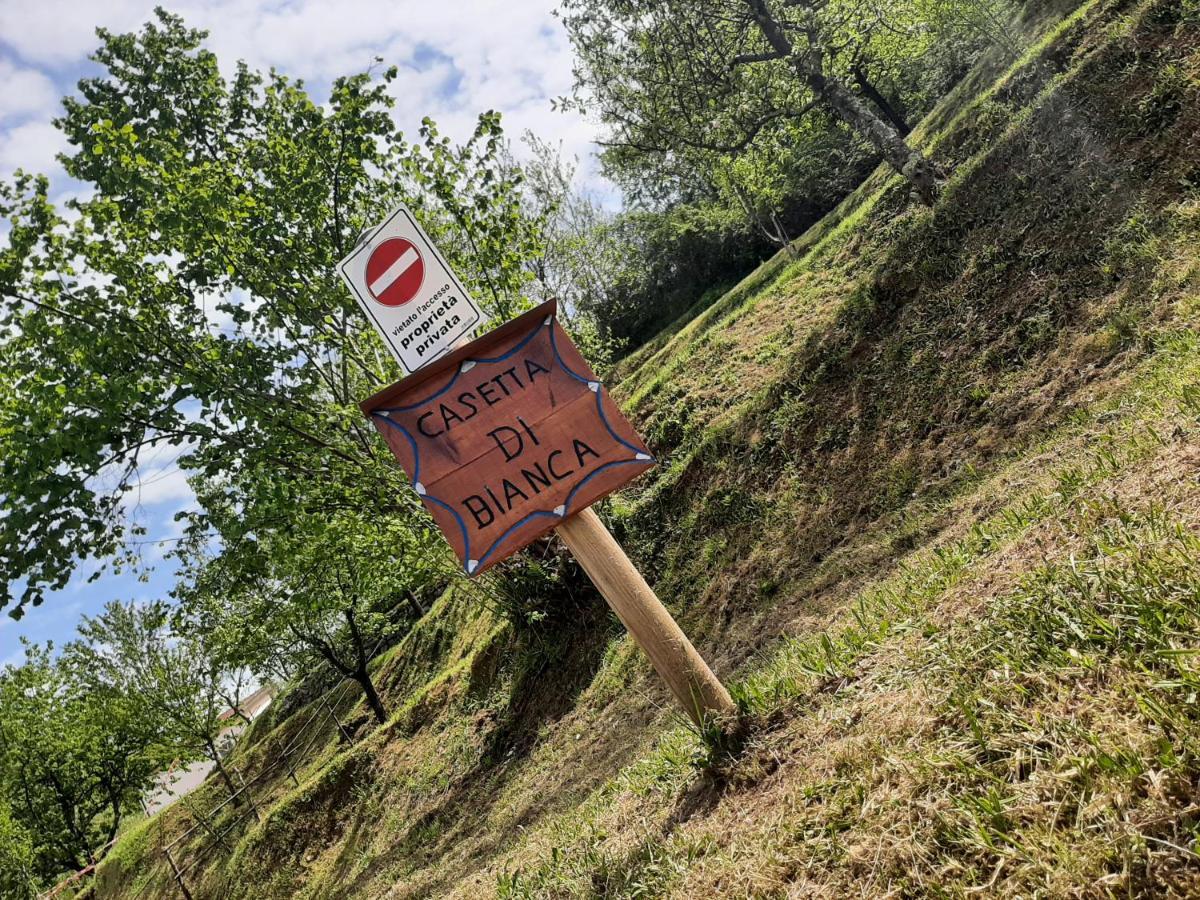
(927, 502)
(1127, 590)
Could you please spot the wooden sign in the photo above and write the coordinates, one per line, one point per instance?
(513, 435)
(506, 437)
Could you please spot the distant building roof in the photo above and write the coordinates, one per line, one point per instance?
(252, 705)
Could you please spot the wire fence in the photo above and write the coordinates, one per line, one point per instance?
(76, 876)
(218, 833)
(282, 761)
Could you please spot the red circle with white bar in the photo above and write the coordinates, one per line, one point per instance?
(395, 271)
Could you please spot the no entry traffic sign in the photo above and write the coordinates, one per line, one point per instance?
(507, 436)
(408, 291)
(395, 272)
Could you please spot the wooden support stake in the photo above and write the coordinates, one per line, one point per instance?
(178, 877)
(333, 715)
(207, 826)
(672, 654)
(288, 762)
(249, 796)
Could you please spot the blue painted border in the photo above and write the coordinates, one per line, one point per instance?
(599, 403)
(381, 415)
(484, 359)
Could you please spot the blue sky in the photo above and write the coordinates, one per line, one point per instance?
(456, 59)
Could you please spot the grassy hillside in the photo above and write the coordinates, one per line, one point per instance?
(928, 502)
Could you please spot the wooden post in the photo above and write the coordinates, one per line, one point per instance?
(249, 796)
(575, 417)
(672, 654)
(178, 876)
(333, 715)
(207, 826)
(288, 762)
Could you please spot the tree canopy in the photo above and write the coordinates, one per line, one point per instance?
(173, 683)
(191, 302)
(333, 588)
(74, 756)
(672, 77)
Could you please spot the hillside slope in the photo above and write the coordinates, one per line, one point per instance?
(928, 503)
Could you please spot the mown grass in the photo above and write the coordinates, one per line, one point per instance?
(1119, 619)
(884, 465)
(1124, 596)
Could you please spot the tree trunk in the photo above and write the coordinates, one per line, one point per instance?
(360, 672)
(115, 805)
(776, 236)
(364, 681)
(229, 785)
(234, 704)
(783, 239)
(910, 163)
(872, 93)
(416, 604)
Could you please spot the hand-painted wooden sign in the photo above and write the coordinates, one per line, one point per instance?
(507, 436)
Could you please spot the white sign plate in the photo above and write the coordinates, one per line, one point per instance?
(405, 287)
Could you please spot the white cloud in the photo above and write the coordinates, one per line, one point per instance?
(158, 489)
(456, 59)
(155, 492)
(26, 91)
(54, 32)
(31, 146)
(11, 656)
(161, 485)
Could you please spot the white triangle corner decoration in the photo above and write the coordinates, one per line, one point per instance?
(643, 457)
(467, 365)
(593, 386)
(472, 565)
(560, 511)
(419, 488)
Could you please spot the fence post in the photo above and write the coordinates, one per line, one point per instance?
(207, 826)
(178, 877)
(288, 763)
(249, 796)
(329, 709)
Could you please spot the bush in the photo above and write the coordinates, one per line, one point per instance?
(541, 590)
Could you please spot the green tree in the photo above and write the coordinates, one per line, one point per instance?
(130, 649)
(674, 77)
(17, 878)
(976, 21)
(207, 612)
(334, 587)
(74, 757)
(191, 300)
(582, 260)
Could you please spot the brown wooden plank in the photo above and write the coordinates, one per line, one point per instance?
(507, 436)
